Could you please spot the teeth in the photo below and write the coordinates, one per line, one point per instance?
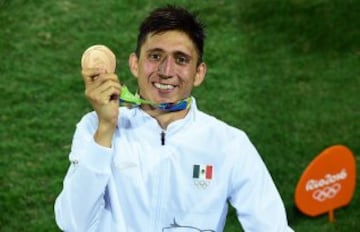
(163, 86)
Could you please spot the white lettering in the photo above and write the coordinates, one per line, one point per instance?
(327, 180)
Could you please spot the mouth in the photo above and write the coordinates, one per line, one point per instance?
(166, 87)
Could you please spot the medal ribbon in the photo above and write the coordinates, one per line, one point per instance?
(130, 100)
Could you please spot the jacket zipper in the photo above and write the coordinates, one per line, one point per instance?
(162, 174)
(162, 138)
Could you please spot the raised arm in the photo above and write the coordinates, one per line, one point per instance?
(102, 90)
(81, 203)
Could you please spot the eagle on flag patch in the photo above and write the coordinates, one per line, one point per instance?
(203, 172)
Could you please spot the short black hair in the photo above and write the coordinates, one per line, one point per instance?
(171, 17)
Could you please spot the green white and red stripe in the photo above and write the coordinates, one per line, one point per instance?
(204, 172)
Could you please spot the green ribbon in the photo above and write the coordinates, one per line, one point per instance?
(129, 99)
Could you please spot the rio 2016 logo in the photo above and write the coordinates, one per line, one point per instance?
(326, 193)
(327, 187)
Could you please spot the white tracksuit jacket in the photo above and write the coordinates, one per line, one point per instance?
(162, 181)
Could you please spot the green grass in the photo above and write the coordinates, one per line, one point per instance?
(286, 72)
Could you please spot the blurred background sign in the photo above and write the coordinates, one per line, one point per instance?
(327, 183)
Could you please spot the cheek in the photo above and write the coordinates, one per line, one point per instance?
(147, 69)
(189, 75)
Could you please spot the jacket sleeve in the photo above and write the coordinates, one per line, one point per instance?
(253, 193)
(81, 203)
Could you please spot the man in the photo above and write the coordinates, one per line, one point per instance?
(150, 169)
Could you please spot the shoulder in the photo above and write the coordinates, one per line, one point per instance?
(218, 127)
(90, 119)
(229, 139)
(232, 143)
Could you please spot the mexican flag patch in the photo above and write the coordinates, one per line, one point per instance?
(203, 172)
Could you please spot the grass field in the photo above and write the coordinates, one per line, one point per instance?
(286, 72)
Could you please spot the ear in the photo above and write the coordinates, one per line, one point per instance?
(134, 64)
(200, 74)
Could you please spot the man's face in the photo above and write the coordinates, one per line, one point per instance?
(167, 69)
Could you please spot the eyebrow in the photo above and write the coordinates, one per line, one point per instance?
(162, 50)
(176, 53)
(154, 50)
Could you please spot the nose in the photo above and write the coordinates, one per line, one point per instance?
(167, 67)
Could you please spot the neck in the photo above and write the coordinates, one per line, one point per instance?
(164, 118)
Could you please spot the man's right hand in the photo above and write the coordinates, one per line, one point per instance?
(103, 90)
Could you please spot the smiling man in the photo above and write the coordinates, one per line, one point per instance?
(155, 169)
(166, 67)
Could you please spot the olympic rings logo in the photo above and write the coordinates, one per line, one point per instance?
(203, 184)
(327, 192)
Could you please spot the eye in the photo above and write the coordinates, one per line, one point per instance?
(154, 56)
(182, 59)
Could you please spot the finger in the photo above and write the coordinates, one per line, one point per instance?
(105, 96)
(108, 76)
(113, 90)
(109, 89)
(91, 74)
(107, 83)
(102, 78)
(111, 94)
(101, 81)
(105, 80)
